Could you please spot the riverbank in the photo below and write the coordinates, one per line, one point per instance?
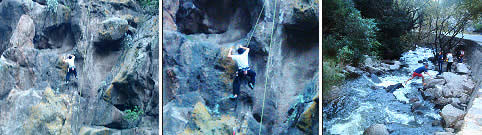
(359, 105)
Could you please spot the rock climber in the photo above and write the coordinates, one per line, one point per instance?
(450, 60)
(440, 62)
(418, 72)
(69, 59)
(243, 70)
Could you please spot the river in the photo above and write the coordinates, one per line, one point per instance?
(363, 106)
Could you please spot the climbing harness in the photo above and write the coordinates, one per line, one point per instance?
(267, 67)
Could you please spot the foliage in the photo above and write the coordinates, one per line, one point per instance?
(133, 115)
(331, 74)
(152, 6)
(442, 22)
(395, 19)
(347, 35)
(478, 27)
(52, 5)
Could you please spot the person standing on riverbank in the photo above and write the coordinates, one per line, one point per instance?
(461, 56)
(450, 60)
(440, 62)
(418, 72)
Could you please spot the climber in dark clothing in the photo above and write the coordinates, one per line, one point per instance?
(71, 70)
(243, 69)
(440, 62)
(418, 72)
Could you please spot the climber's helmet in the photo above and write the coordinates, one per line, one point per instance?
(240, 51)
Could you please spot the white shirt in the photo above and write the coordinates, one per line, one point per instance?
(450, 58)
(70, 62)
(241, 60)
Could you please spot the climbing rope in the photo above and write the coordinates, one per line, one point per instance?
(255, 25)
(267, 67)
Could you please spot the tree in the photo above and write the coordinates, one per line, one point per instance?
(395, 19)
(444, 21)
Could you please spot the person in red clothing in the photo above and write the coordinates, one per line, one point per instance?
(418, 72)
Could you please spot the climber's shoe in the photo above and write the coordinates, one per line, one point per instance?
(251, 85)
(233, 96)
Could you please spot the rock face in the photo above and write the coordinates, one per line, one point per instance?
(196, 40)
(24, 33)
(117, 70)
(377, 129)
(451, 115)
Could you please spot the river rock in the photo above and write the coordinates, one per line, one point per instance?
(444, 133)
(451, 115)
(458, 125)
(353, 71)
(377, 129)
(436, 123)
(392, 88)
(332, 94)
(451, 130)
(461, 68)
(375, 78)
(431, 83)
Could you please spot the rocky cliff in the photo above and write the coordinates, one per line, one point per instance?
(116, 47)
(197, 75)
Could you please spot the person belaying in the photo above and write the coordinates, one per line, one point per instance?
(450, 60)
(440, 62)
(243, 70)
(418, 72)
(69, 59)
(461, 56)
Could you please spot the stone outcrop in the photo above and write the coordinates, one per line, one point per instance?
(451, 115)
(116, 48)
(196, 39)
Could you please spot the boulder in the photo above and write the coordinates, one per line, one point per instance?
(24, 33)
(461, 68)
(450, 115)
(431, 83)
(451, 130)
(332, 94)
(353, 71)
(112, 29)
(458, 125)
(375, 78)
(377, 129)
(443, 133)
(392, 88)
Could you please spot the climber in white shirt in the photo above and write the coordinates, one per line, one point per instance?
(69, 59)
(243, 70)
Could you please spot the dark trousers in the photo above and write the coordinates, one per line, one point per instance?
(440, 67)
(70, 71)
(239, 78)
(449, 66)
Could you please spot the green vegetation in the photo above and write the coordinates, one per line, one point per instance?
(133, 115)
(331, 74)
(152, 6)
(52, 6)
(478, 27)
(387, 28)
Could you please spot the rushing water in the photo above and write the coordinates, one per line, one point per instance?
(363, 106)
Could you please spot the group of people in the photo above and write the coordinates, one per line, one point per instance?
(449, 59)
